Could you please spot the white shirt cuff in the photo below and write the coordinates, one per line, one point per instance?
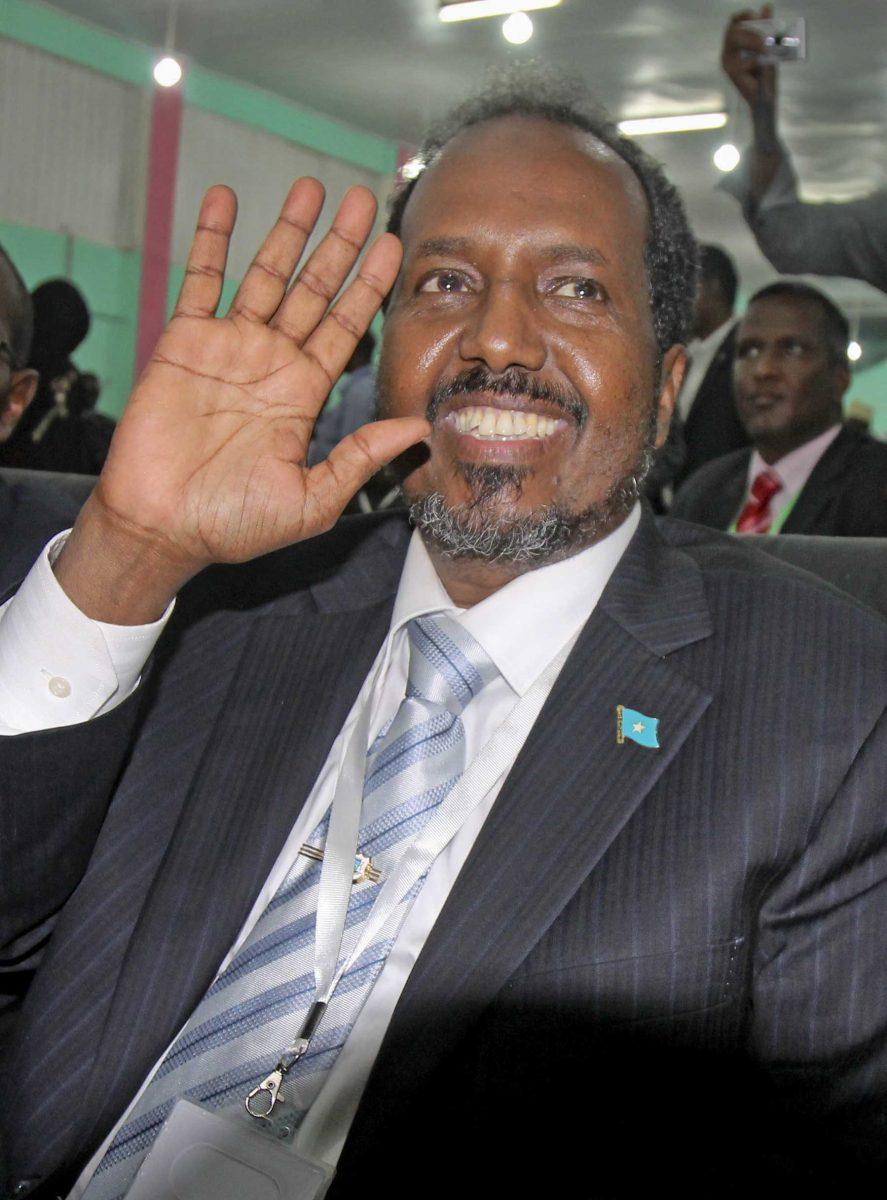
(57, 666)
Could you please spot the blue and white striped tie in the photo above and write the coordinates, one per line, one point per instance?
(236, 1033)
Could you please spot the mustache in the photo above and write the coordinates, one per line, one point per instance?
(513, 382)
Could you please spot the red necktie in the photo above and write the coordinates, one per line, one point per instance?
(756, 516)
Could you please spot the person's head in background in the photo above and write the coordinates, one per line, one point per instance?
(61, 322)
(18, 382)
(363, 353)
(790, 370)
(716, 291)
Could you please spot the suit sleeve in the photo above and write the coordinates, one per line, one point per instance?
(800, 238)
(55, 787)
(820, 987)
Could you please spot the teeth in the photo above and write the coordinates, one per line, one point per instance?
(485, 422)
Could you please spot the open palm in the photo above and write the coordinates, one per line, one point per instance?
(210, 455)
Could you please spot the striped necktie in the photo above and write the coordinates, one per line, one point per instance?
(251, 1012)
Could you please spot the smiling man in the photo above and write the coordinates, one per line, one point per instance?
(472, 858)
(805, 472)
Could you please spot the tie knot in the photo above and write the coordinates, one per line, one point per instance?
(447, 665)
(765, 485)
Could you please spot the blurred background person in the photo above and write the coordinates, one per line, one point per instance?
(352, 403)
(705, 402)
(18, 382)
(806, 471)
(848, 238)
(61, 430)
(30, 512)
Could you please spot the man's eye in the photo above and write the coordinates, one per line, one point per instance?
(795, 349)
(747, 351)
(579, 289)
(443, 281)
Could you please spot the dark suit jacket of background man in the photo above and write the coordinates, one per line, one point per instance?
(31, 512)
(629, 922)
(845, 496)
(712, 426)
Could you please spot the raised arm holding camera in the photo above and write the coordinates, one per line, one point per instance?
(798, 237)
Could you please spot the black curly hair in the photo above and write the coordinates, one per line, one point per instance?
(671, 254)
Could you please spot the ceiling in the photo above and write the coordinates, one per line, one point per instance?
(388, 66)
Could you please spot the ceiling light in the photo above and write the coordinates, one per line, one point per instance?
(168, 71)
(854, 352)
(726, 157)
(412, 168)
(687, 123)
(473, 10)
(517, 29)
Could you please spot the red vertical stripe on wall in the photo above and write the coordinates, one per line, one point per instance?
(163, 162)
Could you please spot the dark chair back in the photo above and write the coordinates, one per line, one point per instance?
(77, 487)
(855, 565)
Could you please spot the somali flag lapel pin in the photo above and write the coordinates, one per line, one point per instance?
(636, 727)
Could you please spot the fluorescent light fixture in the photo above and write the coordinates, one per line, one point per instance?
(854, 352)
(473, 10)
(688, 123)
(726, 157)
(517, 29)
(168, 71)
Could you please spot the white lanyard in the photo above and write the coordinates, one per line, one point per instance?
(485, 769)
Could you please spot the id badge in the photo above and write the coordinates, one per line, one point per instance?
(203, 1155)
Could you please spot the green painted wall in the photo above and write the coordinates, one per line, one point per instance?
(109, 280)
(870, 387)
(66, 37)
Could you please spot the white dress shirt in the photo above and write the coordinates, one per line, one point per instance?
(792, 471)
(522, 628)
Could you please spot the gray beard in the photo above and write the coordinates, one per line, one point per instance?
(551, 533)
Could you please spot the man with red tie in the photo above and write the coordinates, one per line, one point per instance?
(806, 472)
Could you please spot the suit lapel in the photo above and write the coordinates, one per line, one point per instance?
(569, 794)
(822, 488)
(726, 506)
(301, 671)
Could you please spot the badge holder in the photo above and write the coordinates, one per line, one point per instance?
(204, 1155)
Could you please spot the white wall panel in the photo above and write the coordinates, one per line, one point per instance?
(72, 148)
(260, 167)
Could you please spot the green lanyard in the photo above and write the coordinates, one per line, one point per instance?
(778, 521)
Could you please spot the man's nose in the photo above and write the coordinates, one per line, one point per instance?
(766, 364)
(504, 331)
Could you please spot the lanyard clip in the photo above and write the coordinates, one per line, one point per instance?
(261, 1100)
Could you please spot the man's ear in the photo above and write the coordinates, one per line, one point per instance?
(21, 392)
(671, 376)
(843, 378)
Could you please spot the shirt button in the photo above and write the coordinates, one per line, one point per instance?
(60, 687)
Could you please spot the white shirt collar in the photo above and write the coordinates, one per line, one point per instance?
(523, 625)
(795, 468)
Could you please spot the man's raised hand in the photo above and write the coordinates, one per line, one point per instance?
(208, 463)
(755, 82)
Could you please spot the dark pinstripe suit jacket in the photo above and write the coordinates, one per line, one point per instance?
(657, 968)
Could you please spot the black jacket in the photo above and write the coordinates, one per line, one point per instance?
(845, 496)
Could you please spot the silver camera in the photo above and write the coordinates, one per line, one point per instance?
(784, 41)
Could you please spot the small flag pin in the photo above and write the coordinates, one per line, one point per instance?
(636, 727)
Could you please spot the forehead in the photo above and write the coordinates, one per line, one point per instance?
(514, 176)
(777, 316)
